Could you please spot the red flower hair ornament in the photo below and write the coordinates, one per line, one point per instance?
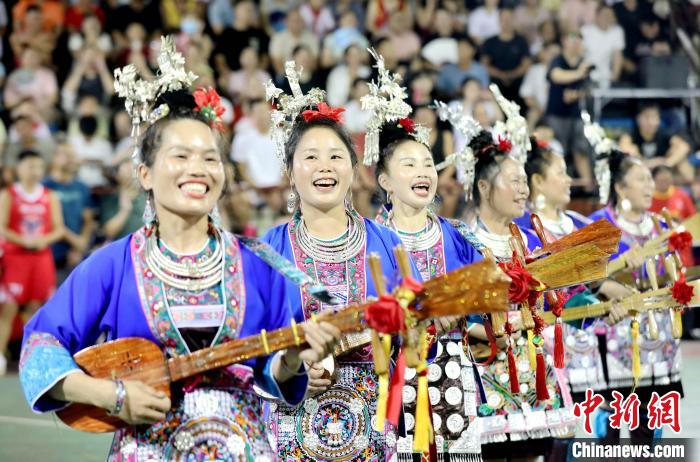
(407, 124)
(324, 112)
(209, 105)
(504, 145)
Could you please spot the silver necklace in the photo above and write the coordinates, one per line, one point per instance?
(643, 228)
(559, 228)
(337, 250)
(499, 245)
(187, 276)
(424, 239)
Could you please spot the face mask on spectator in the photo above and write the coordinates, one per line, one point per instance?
(88, 125)
(189, 25)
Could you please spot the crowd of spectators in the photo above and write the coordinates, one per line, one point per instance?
(58, 100)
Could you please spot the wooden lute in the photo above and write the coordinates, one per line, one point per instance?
(478, 288)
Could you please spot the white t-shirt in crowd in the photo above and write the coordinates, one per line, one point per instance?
(484, 24)
(535, 84)
(94, 155)
(256, 151)
(600, 46)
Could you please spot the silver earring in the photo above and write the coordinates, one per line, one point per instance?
(348, 200)
(625, 205)
(540, 202)
(292, 201)
(388, 198)
(149, 213)
(215, 216)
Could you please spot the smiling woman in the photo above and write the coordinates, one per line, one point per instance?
(328, 240)
(181, 282)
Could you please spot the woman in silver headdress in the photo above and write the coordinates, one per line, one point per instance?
(181, 282)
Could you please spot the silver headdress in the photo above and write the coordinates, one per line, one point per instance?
(602, 145)
(140, 95)
(289, 106)
(515, 127)
(386, 103)
(464, 159)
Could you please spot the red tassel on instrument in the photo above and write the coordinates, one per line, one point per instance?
(395, 397)
(541, 377)
(558, 345)
(513, 372)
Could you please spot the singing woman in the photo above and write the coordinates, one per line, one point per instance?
(181, 282)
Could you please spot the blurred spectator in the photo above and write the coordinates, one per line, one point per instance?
(243, 34)
(507, 57)
(535, 87)
(32, 81)
(442, 145)
(254, 152)
(247, 82)
(121, 211)
(77, 208)
(121, 135)
(52, 13)
(274, 13)
(341, 78)
(629, 14)
(27, 108)
(577, 13)
(567, 74)
(379, 13)
(175, 13)
(93, 151)
(421, 88)
(484, 22)
(81, 9)
(337, 42)
(30, 34)
(90, 35)
(668, 196)
(220, 15)
(529, 16)
(657, 146)
(30, 221)
(652, 40)
(452, 76)
(137, 51)
(547, 34)
(308, 77)
(674, 199)
(283, 43)
(356, 118)
(27, 140)
(318, 17)
(476, 101)
(4, 21)
(604, 42)
(441, 45)
(143, 12)
(89, 76)
(406, 42)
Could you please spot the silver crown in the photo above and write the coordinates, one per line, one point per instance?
(514, 128)
(386, 102)
(464, 159)
(289, 106)
(602, 145)
(140, 94)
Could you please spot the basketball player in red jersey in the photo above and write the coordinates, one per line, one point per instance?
(30, 221)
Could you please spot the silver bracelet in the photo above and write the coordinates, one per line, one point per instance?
(121, 398)
(286, 367)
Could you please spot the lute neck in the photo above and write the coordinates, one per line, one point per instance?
(239, 350)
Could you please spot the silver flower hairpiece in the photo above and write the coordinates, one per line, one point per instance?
(464, 159)
(140, 94)
(289, 106)
(386, 102)
(515, 127)
(602, 145)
